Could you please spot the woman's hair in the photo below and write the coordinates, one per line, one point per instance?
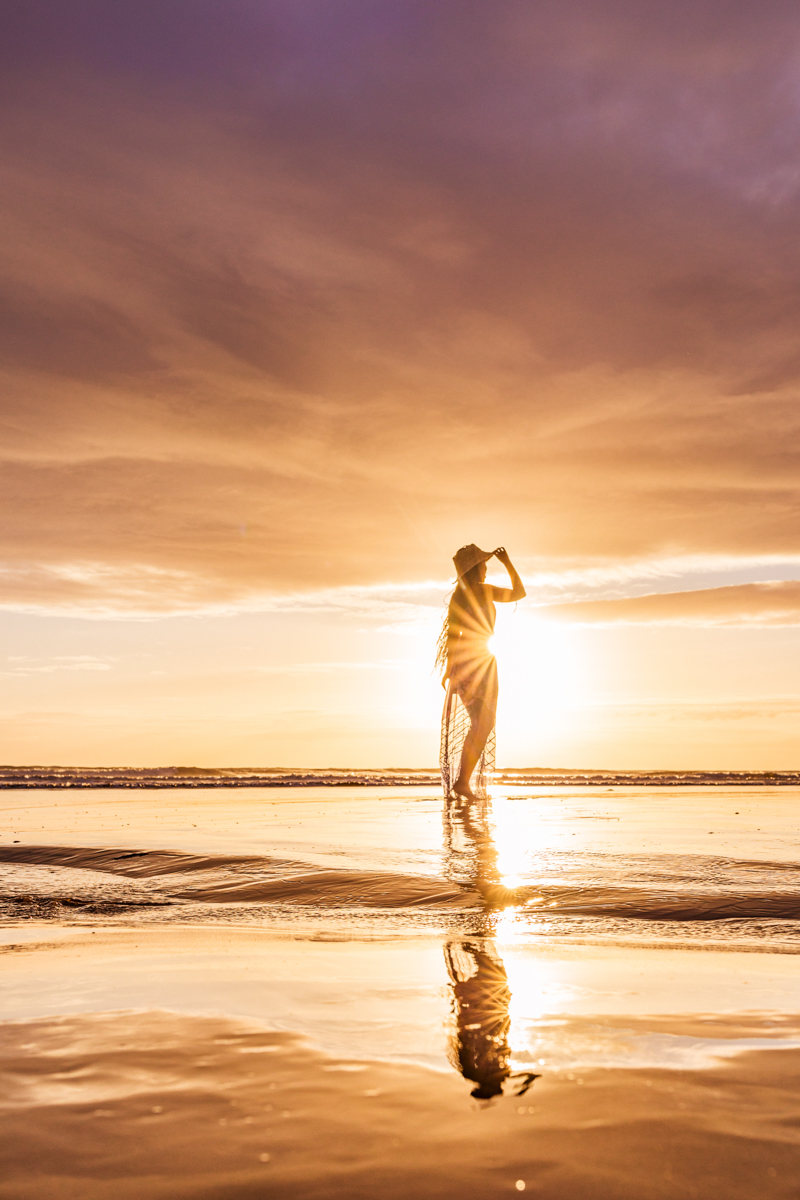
(465, 591)
(440, 662)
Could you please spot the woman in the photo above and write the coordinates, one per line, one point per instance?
(470, 670)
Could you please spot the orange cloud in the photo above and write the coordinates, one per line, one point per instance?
(305, 298)
(741, 604)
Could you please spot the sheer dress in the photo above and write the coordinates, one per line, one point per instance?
(472, 688)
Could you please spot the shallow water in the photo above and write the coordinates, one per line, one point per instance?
(350, 915)
(528, 962)
(694, 866)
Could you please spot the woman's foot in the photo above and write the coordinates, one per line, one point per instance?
(463, 791)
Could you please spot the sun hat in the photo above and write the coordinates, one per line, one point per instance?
(468, 557)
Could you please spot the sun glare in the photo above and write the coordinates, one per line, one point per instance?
(517, 836)
(542, 679)
(540, 672)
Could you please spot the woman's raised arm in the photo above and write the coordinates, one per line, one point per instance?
(506, 595)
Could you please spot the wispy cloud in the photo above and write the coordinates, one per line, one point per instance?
(743, 604)
(327, 668)
(19, 664)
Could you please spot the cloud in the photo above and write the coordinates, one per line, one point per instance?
(742, 604)
(305, 296)
(23, 664)
(327, 668)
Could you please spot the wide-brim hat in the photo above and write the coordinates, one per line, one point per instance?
(468, 557)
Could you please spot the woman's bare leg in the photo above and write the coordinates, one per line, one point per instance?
(473, 748)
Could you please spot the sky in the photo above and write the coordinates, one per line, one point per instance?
(298, 297)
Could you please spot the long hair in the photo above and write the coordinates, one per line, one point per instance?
(465, 596)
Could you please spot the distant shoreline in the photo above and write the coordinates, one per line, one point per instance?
(21, 778)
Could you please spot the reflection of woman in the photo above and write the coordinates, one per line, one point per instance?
(469, 670)
(470, 855)
(480, 998)
(479, 993)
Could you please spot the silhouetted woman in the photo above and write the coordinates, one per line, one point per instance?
(470, 671)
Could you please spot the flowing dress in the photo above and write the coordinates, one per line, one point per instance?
(472, 687)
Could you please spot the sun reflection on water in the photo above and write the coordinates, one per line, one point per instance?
(517, 837)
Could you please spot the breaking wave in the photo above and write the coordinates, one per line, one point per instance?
(123, 878)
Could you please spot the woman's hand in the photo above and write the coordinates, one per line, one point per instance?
(507, 595)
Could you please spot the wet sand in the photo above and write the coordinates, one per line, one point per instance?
(221, 996)
(159, 1105)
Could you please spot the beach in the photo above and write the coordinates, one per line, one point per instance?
(358, 990)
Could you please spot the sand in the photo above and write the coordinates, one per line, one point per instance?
(165, 1106)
